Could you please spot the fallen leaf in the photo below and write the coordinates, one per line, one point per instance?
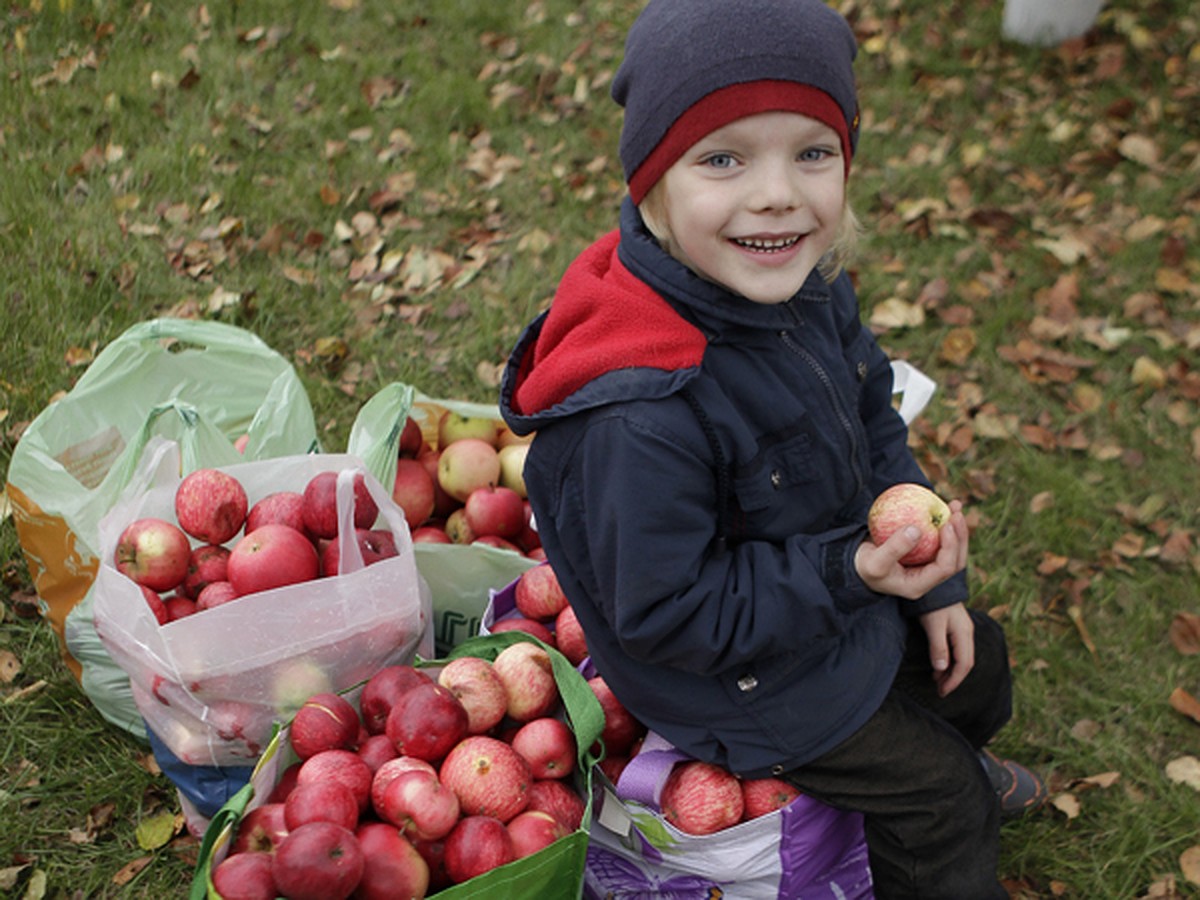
(130, 870)
(1140, 149)
(1184, 633)
(1185, 704)
(156, 831)
(10, 666)
(1068, 804)
(9, 876)
(1189, 862)
(1185, 770)
(1075, 612)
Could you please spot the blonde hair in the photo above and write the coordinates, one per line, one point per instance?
(654, 213)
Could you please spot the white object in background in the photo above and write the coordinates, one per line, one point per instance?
(915, 385)
(1045, 22)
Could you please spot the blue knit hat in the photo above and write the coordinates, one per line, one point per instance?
(693, 66)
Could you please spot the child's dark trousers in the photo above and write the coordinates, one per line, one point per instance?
(931, 816)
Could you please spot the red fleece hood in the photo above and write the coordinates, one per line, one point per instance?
(603, 319)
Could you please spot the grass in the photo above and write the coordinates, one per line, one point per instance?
(1040, 203)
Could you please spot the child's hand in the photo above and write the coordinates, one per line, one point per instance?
(879, 565)
(951, 633)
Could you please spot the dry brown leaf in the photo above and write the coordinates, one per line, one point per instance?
(130, 870)
(1184, 633)
(1189, 862)
(1075, 612)
(1185, 704)
(1067, 803)
(1140, 149)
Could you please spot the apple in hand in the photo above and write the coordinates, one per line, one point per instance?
(489, 777)
(245, 876)
(392, 867)
(270, 557)
(538, 594)
(154, 553)
(211, 505)
(700, 798)
(548, 745)
(907, 504)
(318, 861)
(320, 504)
(477, 844)
(478, 688)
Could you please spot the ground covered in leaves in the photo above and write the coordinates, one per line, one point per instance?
(389, 194)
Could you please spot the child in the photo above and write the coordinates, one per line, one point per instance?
(713, 423)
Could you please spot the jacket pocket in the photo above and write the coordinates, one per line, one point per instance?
(782, 463)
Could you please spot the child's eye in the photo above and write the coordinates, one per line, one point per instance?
(720, 161)
(815, 154)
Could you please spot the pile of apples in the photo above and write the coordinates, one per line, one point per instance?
(435, 778)
(697, 798)
(287, 537)
(468, 487)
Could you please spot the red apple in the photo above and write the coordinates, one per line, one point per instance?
(569, 636)
(412, 439)
(613, 766)
(392, 867)
(529, 626)
(413, 491)
(157, 605)
(764, 795)
(374, 544)
(326, 721)
(215, 594)
(434, 854)
(492, 540)
(558, 799)
(279, 508)
(454, 427)
(907, 504)
(478, 688)
(431, 534)
(206, 564)
(700, 798)
(375, 750)
(528, 677)
(179, 607)
(420, 805)
(318, 861)
(621, 729)
(426, 722)
(270, 557)
(286, 783)
(391, 770)
(320, 504)
(477, 844)
(534, 830)
(342, 766)
(443, 503)
(489, 777)
(211, 505)
(495, 511)
(154, 553)
(538, 594)
(548, 745)
(383, 689)
(320, 801)
(260, 830)
(467, 465)
(245, 876)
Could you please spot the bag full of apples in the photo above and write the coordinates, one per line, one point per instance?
(231, 595)
(469, 776)
(455, 469)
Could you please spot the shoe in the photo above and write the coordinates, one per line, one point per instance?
(1019, 790)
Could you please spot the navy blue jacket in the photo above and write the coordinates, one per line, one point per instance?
(700, 476)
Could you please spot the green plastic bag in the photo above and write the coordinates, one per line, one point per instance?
(201, 384)
(459, 576)
(556, 871)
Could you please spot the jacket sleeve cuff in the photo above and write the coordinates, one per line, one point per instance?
(952, 590)
(841, 576)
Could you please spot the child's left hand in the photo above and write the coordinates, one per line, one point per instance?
(951, 634)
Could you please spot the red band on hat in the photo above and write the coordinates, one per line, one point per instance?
(728, 104)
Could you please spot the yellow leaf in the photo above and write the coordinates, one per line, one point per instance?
(1140, 149)
(1189, 862)
(156, 831)
(1068, 804)
(1185, 770)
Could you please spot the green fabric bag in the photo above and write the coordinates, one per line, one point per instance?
(458, 576)
(556, 871)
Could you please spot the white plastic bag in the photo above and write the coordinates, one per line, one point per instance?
(1045, 22)
(211, 686)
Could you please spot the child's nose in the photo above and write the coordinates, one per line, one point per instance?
(776, 187)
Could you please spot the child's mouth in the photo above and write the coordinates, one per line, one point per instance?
(767, 245)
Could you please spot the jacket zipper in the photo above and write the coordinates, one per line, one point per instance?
(835, 398)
